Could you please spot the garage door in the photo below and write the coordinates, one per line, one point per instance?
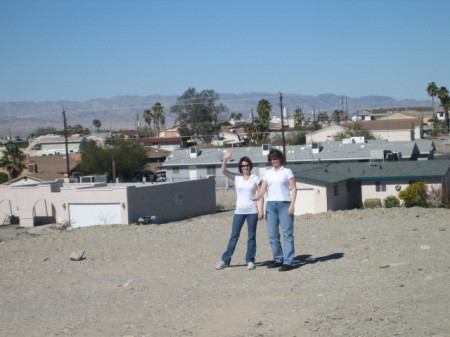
(304, 202)
(82, 215)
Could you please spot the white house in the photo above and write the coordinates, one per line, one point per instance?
(331, 187)
(100, 204)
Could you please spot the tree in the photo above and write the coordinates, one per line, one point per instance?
(415, 195)
(97, 124)
(443, 96)
(338, 116)
(432, 92)
(323, 117)
(148, 117)
(158, 117)
(12, 160)
(354, 131)
(129, 158)
(42, 131)
(235, 117)
(198, 114)
(299, 117)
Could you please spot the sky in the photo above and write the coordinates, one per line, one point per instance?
(86, 49)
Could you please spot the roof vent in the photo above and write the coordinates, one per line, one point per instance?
(266, 149)
(194, 152)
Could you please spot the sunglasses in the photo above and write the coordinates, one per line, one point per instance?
(274, 158)
(245, 165)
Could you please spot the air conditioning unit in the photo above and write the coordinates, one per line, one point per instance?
(315, 147)
(266, 149)
(194, 152)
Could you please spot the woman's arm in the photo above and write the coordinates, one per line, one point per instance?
(260, 203)
(293, 192)
(261, 190)
(225, 172)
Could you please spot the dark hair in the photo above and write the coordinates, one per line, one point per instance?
(248, 160)
(274, 153)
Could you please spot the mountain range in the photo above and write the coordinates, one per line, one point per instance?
(122, 112)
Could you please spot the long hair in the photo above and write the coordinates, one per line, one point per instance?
(248, 160)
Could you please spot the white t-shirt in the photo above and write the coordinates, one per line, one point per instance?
(245, 191)
(278, 184)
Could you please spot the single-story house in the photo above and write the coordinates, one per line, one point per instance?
(166, 143)
(326, 187)
(194, 163)
(87, 204)
(50, 145)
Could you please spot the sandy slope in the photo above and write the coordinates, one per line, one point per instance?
(358, 273)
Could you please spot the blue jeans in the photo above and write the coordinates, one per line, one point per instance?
(238, 222)
(277, 216)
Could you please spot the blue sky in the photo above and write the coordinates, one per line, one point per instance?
(84, 49)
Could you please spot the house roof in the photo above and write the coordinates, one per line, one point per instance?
(163, 140)
(50, 168)
(329, 151)
(333, 173)
(387, 124)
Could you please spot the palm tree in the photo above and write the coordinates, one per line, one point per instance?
(442, 94)
(299, 117)
(432, 92)
(12, 160)
(148, 116)
(158, 113)
(97, 124)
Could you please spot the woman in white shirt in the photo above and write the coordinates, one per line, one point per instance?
(279, 182)
(246, 185)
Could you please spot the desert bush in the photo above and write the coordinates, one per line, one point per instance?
(372, 203)
(435, 197)
(415, 195)
(391, 201)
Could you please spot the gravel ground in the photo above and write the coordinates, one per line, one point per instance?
(371, 273)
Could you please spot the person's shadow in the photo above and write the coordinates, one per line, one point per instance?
(302, 260)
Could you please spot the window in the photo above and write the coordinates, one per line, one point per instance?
(336, 190)
(179, 199)
(380, 187)
(176, 170)
(211, 170)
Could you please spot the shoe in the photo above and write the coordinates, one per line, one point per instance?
(221, 265)
(274, 264)
(285, 267)
(251, 266)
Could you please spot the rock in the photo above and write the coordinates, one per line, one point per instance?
(77, 255)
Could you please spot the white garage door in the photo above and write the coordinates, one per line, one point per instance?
(82, 215)
(304, 202)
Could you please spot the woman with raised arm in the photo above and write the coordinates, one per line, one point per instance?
(279, 182)
(246, 186)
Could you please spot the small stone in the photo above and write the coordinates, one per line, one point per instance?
(425, 247)
(77, 255)
(385, 266)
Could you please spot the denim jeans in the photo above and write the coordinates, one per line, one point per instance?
(277, 216)
(238, 222)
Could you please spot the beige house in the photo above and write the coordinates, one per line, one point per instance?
(101, 204)
(332, 187)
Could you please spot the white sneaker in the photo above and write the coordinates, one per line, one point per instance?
(251, 266)
(221, 265)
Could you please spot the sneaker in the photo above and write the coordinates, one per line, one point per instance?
(285, 267)
(251, 266)
(274, 264)
(221, 265)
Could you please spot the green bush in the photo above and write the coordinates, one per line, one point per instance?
(391, 202)
(372, 203)
(415, 195)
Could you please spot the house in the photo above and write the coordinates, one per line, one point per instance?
(50, 145)
(331, 187)
(156, 158)
(325, 134)
(170, 132)
(228, 138)
(87, 204)
(196, 162)
(46, 168)
(99, 138)
(166, 143)
(392, 129)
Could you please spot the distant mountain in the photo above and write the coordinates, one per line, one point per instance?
(122, 112)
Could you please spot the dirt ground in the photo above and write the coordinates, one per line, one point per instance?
(357, 273)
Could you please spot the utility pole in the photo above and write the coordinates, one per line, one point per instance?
(67, 146)
(282, 125)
